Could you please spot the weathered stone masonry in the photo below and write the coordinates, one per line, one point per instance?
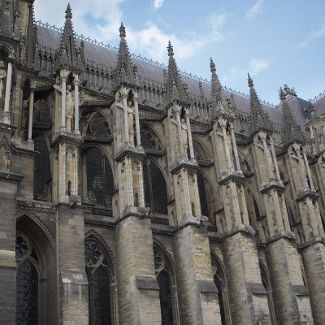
(132, 193)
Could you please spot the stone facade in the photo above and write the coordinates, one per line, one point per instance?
(132, 193)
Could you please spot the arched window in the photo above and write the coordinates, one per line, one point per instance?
(154, 187)
(42, 169)
(27, 286)
(99, 272)
(267, 287)
(100, 183)
(221, 284)
(149, 141)
(98, 128)
(166, 294)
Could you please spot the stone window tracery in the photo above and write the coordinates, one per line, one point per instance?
(166, 294)
(98, 128)
(27, 283)
(98, 270)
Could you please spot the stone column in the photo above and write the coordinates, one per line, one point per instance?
(308, 171)
(125, 117)
(247, 297)
(63, 76)
(137, 120)
(6, 110)
(189, 134)
(30, 115)
(234, 145)
(291, 301)
(277, 172)
(76, 104)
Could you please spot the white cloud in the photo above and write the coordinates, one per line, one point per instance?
(254, 67)
(313, 36)
(254, 10)
(149, 41)
(258, 65)
(158, 4)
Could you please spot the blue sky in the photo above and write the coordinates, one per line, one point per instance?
(276, 41)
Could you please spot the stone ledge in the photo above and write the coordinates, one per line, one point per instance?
(146, 283)
(207, 286)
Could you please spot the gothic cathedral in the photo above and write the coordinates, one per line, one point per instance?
(132, 193)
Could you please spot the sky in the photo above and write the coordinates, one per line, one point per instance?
(276, 41)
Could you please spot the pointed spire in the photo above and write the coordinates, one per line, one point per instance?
(67, 55)
(216, 87)
(259, 119)
(125, 72)
(175, 89)
(68, 12)
(31, 37)
(292, 132)
(220, 106)
(122, 31)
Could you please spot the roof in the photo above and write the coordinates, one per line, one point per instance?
(49, 37)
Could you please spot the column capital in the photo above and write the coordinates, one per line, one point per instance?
(64, 75)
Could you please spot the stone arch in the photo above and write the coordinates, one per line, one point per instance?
(220, 279)
(166, 278)
(150, 139)
(200, 150)
(98, 127)
(41, 254)
(254, 207)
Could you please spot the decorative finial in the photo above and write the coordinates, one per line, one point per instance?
(250, 81)
(282, 94)
(170, 49)
(212, 66)
(68, 12)
(122, 31)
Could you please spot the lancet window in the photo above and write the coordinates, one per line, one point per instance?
(99, 272)
(155, 188)
(42, 169)
(100, 183)
(166, 290)
(27, 286)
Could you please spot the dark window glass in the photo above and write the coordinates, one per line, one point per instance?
(165, 296)
(42, 169)
(154, 187)
(98, 128)
(221, 299)
(99, 297)
(27, 294)
(100, 185)
(203, 195)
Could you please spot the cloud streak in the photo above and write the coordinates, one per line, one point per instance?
(254, 67)
(158, 4)
(319, 33)
(255, 10)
